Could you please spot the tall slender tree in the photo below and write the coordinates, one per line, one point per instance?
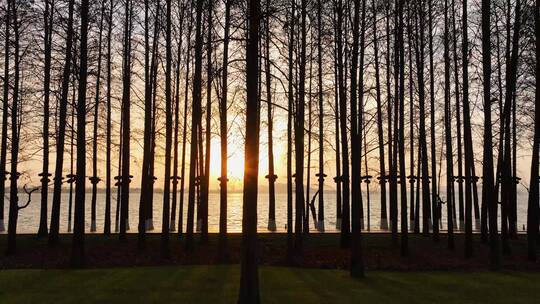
(94, 179)
(487, 169)
(195, 121)
(15, 135)
(77, 253)
(168, 134)
(223, 128)
(5, 112)
(108, 176)
(249, 279)
(532, 207)
(61, 137)
(47, 47)
(126, 120)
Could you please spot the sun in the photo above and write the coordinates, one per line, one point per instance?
(235, 162)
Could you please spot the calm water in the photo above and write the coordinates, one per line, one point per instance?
(29, 217)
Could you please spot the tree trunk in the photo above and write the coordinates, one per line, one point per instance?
(299, 134)
(320, 220)
(126, 131)
(195, 122)
(5, 111)
(66, 73)
(249, 280)
(271, 174)
(434, 201)
(532, 208)
(14, 174)
(168, 135)
(488, 195)
(48, 26)
(223, 128)
(77, 253)
(184, 127)
(107, 220)
(290, 100)
(94, 179)
(448, 133)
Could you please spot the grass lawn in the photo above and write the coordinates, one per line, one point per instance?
(219, 284)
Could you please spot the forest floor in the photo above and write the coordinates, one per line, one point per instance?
(219, 284)
(321, 251)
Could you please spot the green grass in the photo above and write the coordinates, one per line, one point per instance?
(219, 284)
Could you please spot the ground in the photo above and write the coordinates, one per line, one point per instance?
(321, 251)
(219, 284)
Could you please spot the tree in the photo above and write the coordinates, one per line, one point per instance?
(448, 133)
(5, 111)
(487, 168)
(108, 177)
(47, 46)
(249, 279)
(184, 127)
(168, 135)
(62, 112)
(532, 208)
(320, 220)
(94, 179)
(195, 122)
(126, 108)
(271, 174)
(205, 180)
(14, 174)
(223, 128)
(299, 134)
(77, 253)
(434, 201)
(345, 217)
(290, 105)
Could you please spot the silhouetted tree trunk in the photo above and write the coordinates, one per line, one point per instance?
(206, 176)
(108, 176)
(345, 217)
(532, 208)
(388, 178)
(94, 179)
(149, 198)
(423, 152)
(401, 148)
(299, 134)
(145, 176)
(195, 121)
(357, 264)
(184, 127)
(5, 111)
(126, 118)
(249, 280)
(459, 178)
(337, 178)
(508, 179)
(469, 165)
(14, 174)
(271, 174)
(66, 73)
(290, 105)
(223, 128)
(77, 253)
(434, 201)
(168, 135)
(448, 133)
(488, 194)
(47, 42)
(175, 176)
(320, 220)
